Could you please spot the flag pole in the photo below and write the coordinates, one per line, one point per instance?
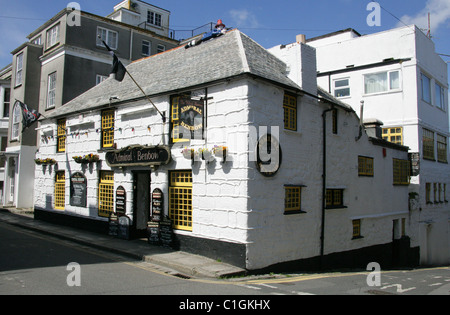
(115, 71)
(148, 98)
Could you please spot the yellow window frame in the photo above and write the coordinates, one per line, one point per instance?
(365, 166)
(428, 144)
(292, 199)
(335, 198)
(290, 112)
(356, 228)
(393, 134)
(428, 192)
(61, 135)
(175, 120)
(60, 190)
(180, 200)
(106, 194)
(401, 172)
(441, 148)
(108, 128)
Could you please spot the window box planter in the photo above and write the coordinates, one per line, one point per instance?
(90, 158)
(46, 161)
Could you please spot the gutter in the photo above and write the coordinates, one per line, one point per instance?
(324, 182)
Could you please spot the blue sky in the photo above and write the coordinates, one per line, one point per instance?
(268, 22)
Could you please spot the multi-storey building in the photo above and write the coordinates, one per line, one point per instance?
(5, 101)
(62, 59)
(254, 165)
(402, 82)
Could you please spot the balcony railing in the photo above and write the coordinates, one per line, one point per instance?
(179, 35)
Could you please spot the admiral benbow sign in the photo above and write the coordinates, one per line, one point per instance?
(138, 156)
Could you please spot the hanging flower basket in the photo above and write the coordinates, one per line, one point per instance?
(220, 151)
(205, 154)
(46, 161)
(188, 154)
(90, 158)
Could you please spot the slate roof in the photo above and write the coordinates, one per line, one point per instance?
(227, 56)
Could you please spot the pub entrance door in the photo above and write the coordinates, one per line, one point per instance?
(141, 202)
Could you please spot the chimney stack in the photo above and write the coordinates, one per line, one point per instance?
(301, 38)
(373, 128)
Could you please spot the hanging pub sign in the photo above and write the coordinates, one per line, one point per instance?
(78, 190)
(191, 116)
(157, 205)
(138, 156)
(121, 201)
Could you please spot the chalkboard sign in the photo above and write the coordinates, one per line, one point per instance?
(113, 225)
(166, 232)
(121, 201)
(154, 237)
(157, 205)
(124, 227)
(78, 190)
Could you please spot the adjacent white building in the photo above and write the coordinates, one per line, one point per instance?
(5, 101)
(402, 82)
(254, 165)
(143, 15)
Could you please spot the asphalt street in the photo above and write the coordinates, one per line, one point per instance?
(33, 263)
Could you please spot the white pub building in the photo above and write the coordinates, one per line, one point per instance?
(251, 162)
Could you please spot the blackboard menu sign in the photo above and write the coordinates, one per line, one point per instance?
(157, 205)
(78, 190)
(124, 227)
(121, 201)
(113, 225)
(166, 232)
(154, 237)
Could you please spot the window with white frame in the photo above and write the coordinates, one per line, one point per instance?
(110, 37)
(342, 87)
(426, 88)
(153, 18)
(161, 48)
(52, 36)
(19, 68)
(100, 78)
(51, 90)
(440, 96)
(37, 40)
(382, 82)
(146, 48)
(17, 114)
(6, 102)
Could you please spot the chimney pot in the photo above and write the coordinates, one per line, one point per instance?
(301, 38)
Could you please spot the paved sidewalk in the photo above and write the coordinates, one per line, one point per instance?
(181, 262)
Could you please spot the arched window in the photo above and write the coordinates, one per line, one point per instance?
(17, 114)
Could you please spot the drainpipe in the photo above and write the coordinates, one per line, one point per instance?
(324, 183)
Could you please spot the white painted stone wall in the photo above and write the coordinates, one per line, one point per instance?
(275, 237)
(403, 107)
(232, 201)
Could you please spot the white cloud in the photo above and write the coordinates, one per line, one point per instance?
(244, 18)
(440, 15)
